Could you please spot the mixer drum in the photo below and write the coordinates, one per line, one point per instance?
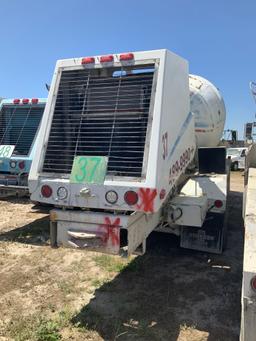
(208, 107)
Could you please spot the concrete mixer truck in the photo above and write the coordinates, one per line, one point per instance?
(128, 145)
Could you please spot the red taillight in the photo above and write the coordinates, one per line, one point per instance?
(16, 101)
(218, 203)
(46, 191)
(34, 100)
(21, 164)
(131, 198)
(253, 283)
(25, 101)
(126, 56)
(162, 194)
(105, 59)
(88, 60)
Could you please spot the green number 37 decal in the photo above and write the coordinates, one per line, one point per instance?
(89, 169)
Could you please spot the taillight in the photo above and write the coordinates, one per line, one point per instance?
(34, 100)
(218, 203)
(46, 191)
(21, 164)
(16, 101)
(111, 197)
(126, 56)
(62, 193)
(13, 164)
(162, 194)
(25, 101)
(105, 59)
(131, 198)
(253, 283)
(88, 60)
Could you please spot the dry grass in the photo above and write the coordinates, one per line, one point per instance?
(168, 294)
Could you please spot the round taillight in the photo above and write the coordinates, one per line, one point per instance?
(62, 193)
(253, 283)
(13, 164)
(46, 191)
(21, 164)
(131, 198)
(218, 203)
(111, 197)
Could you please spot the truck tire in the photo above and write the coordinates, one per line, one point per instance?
(235, 166)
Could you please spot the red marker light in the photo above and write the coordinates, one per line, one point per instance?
(88, 60)
(126, 56)
(105, 59)
(162, 194)
(131, 198)
(34, 100)
(253, 283)
(46, 191)
(218, 203)
(16, 101)
(21, 164)
(25, 101)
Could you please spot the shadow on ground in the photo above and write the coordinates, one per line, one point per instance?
(172, 293)
(35, 233)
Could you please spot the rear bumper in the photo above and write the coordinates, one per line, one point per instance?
(100, 231)
(6, 191)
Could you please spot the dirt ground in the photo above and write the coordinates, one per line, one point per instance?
(168, 294)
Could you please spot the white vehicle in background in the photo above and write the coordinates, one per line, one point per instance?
(127, 146)
(237, 157)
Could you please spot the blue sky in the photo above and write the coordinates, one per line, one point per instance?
(217, 37)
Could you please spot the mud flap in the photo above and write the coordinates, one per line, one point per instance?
(208, 238)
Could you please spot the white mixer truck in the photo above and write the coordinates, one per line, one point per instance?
(128, 145)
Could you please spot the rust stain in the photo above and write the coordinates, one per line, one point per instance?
(53, 216)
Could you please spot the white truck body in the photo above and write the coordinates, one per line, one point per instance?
(248, 315)
(133, 112)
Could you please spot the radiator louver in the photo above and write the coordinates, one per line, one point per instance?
(101, 112)
(18, 126)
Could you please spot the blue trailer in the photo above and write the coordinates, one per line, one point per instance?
(19, 124)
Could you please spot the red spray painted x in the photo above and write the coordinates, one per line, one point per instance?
(110, 230)
(147, 196)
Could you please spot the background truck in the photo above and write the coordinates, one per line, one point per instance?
(237, 157)
(248, 315)
(119, 154)
(19, 123)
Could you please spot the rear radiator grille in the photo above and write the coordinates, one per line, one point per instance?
(101, 112)
(18, 126)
